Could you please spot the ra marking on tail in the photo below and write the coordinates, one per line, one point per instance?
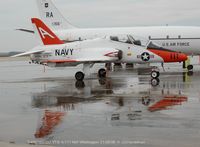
(52, 16)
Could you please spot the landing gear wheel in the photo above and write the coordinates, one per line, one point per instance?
(155, 74)
(79, 76)
(155, 82)
(102, 73)
(190, 67)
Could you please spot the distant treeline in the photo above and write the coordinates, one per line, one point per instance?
(8, 54)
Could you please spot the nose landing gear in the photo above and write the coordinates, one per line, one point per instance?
(190, 67)
(155, 74)
(155, 77)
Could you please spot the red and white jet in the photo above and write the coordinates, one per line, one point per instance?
(119, 49)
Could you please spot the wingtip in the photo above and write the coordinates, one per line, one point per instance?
(13, 56)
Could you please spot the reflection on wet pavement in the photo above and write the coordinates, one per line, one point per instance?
(115, 93)
(123, 107)
(49, 121)
(166, 102)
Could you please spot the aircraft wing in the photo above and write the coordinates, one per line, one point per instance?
(79, 61)
(28, 53)
(97, 60)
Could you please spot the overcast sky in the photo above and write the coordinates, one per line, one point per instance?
(94, 13)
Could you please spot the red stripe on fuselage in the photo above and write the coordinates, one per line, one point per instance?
(60, 61)
(169, 56)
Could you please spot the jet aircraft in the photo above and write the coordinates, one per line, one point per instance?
(119, 49)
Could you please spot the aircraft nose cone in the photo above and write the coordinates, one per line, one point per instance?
(184, 57)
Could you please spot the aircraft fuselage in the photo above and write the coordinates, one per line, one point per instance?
(177, 38)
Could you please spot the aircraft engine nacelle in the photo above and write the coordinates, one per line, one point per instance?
(116, 54)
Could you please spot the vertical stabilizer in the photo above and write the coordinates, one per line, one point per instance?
(52, 16)
(45, 34)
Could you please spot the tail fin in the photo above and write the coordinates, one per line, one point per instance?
(46, 35)
(51, 15)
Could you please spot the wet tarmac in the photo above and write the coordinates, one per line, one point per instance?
(47, 106)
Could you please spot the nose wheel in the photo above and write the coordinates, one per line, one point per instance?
(155, 74)
(79, 76)
(190, 67)
(155, 77)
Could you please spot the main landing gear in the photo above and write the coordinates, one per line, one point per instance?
(80, 75)
(102, 73)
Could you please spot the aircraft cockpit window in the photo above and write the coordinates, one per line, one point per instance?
(124, 39)
(153, 45)
(114, 38)
(130, 39)
(137, 42)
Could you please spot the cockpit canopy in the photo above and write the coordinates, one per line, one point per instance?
(136, 40)
(129, 39)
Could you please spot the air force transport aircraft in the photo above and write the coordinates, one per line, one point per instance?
(54, 52)
(185, 39)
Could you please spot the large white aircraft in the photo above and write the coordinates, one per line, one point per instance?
(185, 39)
(54, 52)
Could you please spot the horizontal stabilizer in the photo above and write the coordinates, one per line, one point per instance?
(26, 30)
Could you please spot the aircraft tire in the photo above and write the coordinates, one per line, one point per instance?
(102, 73)
(79, 76)
(190, 67)
(155, 74)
